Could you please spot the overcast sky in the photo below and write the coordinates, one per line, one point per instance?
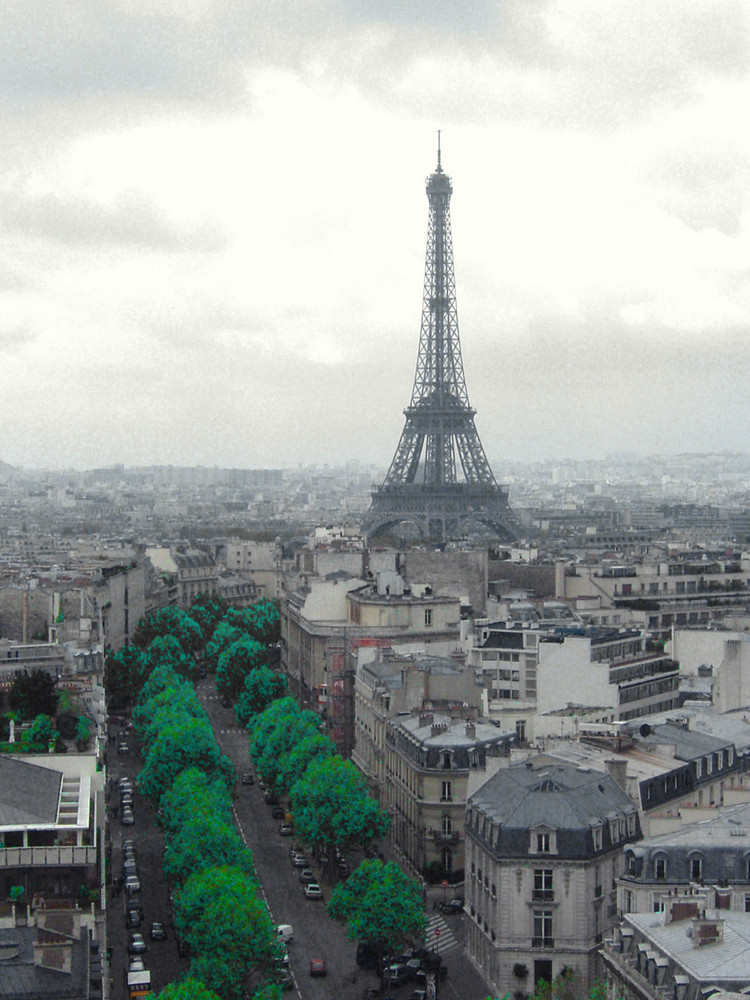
(214, 221)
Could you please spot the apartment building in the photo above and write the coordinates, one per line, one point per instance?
(544, 848)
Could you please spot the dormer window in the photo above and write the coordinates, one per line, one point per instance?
(446, 760)
(473, 758)
(542, 841)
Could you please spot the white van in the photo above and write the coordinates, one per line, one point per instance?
(285, 933)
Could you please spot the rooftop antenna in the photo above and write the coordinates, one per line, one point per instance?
(439, 168)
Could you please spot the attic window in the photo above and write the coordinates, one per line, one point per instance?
(547, 785)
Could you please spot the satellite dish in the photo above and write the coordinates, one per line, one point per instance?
(645, 729)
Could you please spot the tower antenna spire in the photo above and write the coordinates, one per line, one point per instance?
(438, 165)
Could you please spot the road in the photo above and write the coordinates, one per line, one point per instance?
(315, 934)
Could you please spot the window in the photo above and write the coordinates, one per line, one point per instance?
(696, 869)
(473, 758)
(446, 795)
(543, 929)
(447, 826)
(698, 768)
(428, 616)
(542, 884)
(709, 763)
(747, 904)
(542, 843)
(521, 730)
(445, 760)
(660, 868)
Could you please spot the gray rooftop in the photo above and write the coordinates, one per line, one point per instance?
(727, 960)
(29, 794)
(556, 795)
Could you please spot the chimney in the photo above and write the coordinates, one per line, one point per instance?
(617, 769)
(560, 580)
(471, 730)
(426, 719)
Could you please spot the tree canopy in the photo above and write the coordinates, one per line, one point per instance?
(274, 733)
(261, 687)
(220, 913)
(181, 743)
(187, 989)
(236, 662)
(173, 622)
(380, 904)
(332, 807)
(33, 694)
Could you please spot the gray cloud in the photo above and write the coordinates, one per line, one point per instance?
(132, 221)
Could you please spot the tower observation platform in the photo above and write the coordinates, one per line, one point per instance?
(423, 486)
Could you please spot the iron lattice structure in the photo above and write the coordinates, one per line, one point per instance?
(423, 485)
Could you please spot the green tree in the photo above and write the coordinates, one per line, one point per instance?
(34, 694)
(222, 637)
(309, 747)
(194, 792)
(202, 842)
(260, 688)
(83, 732)
(220, 913)
(236, 662)
(332, 807)
(42, 734)
(207, 610)
(187, 989)
(274, 733)
(381, 905)
(123, 676)
(184, 742)
(166, 651)
(169, 621)
(262, 621)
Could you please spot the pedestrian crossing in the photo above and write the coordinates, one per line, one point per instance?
(439, 936)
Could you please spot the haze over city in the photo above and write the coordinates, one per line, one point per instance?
(214, 226)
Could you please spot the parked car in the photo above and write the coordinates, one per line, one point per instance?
(128, 845)
(123, 748)
(307, 875)
(126, 816)
(398, 974)
(248, 779)
(453, 907)
(285, 933)
(270, 799)
(126, 799)
(133, 918)
(318, 967)
(132, 884)
(313, 891)
(158, 931)
(299, 861)
(277, 813)
(136, 965)
(136, 944)
(285, 978)
(129, 867)
(286, 829)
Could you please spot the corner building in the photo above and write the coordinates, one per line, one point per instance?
(544, 847)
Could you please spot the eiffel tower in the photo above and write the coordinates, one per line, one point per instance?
(422, 486)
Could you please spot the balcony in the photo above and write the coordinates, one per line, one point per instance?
(542, 895)
(53, 857)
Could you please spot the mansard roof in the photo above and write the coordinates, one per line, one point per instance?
(29, 794)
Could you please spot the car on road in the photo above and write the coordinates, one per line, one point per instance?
(133, 918)
(299, 861)
(126, 801)
(277, 813)
(248, 779)
(285, 978)
(128, 845)
(136, 944)
(286, 829)
(307, 875)
(129, 867)
(126, 816)
(313, 891)
(157, 932)
(123, 748)
(132, 884)
(318, 967)
(285, 933)
(398, 974)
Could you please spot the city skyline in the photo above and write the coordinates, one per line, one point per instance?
(214, 227)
